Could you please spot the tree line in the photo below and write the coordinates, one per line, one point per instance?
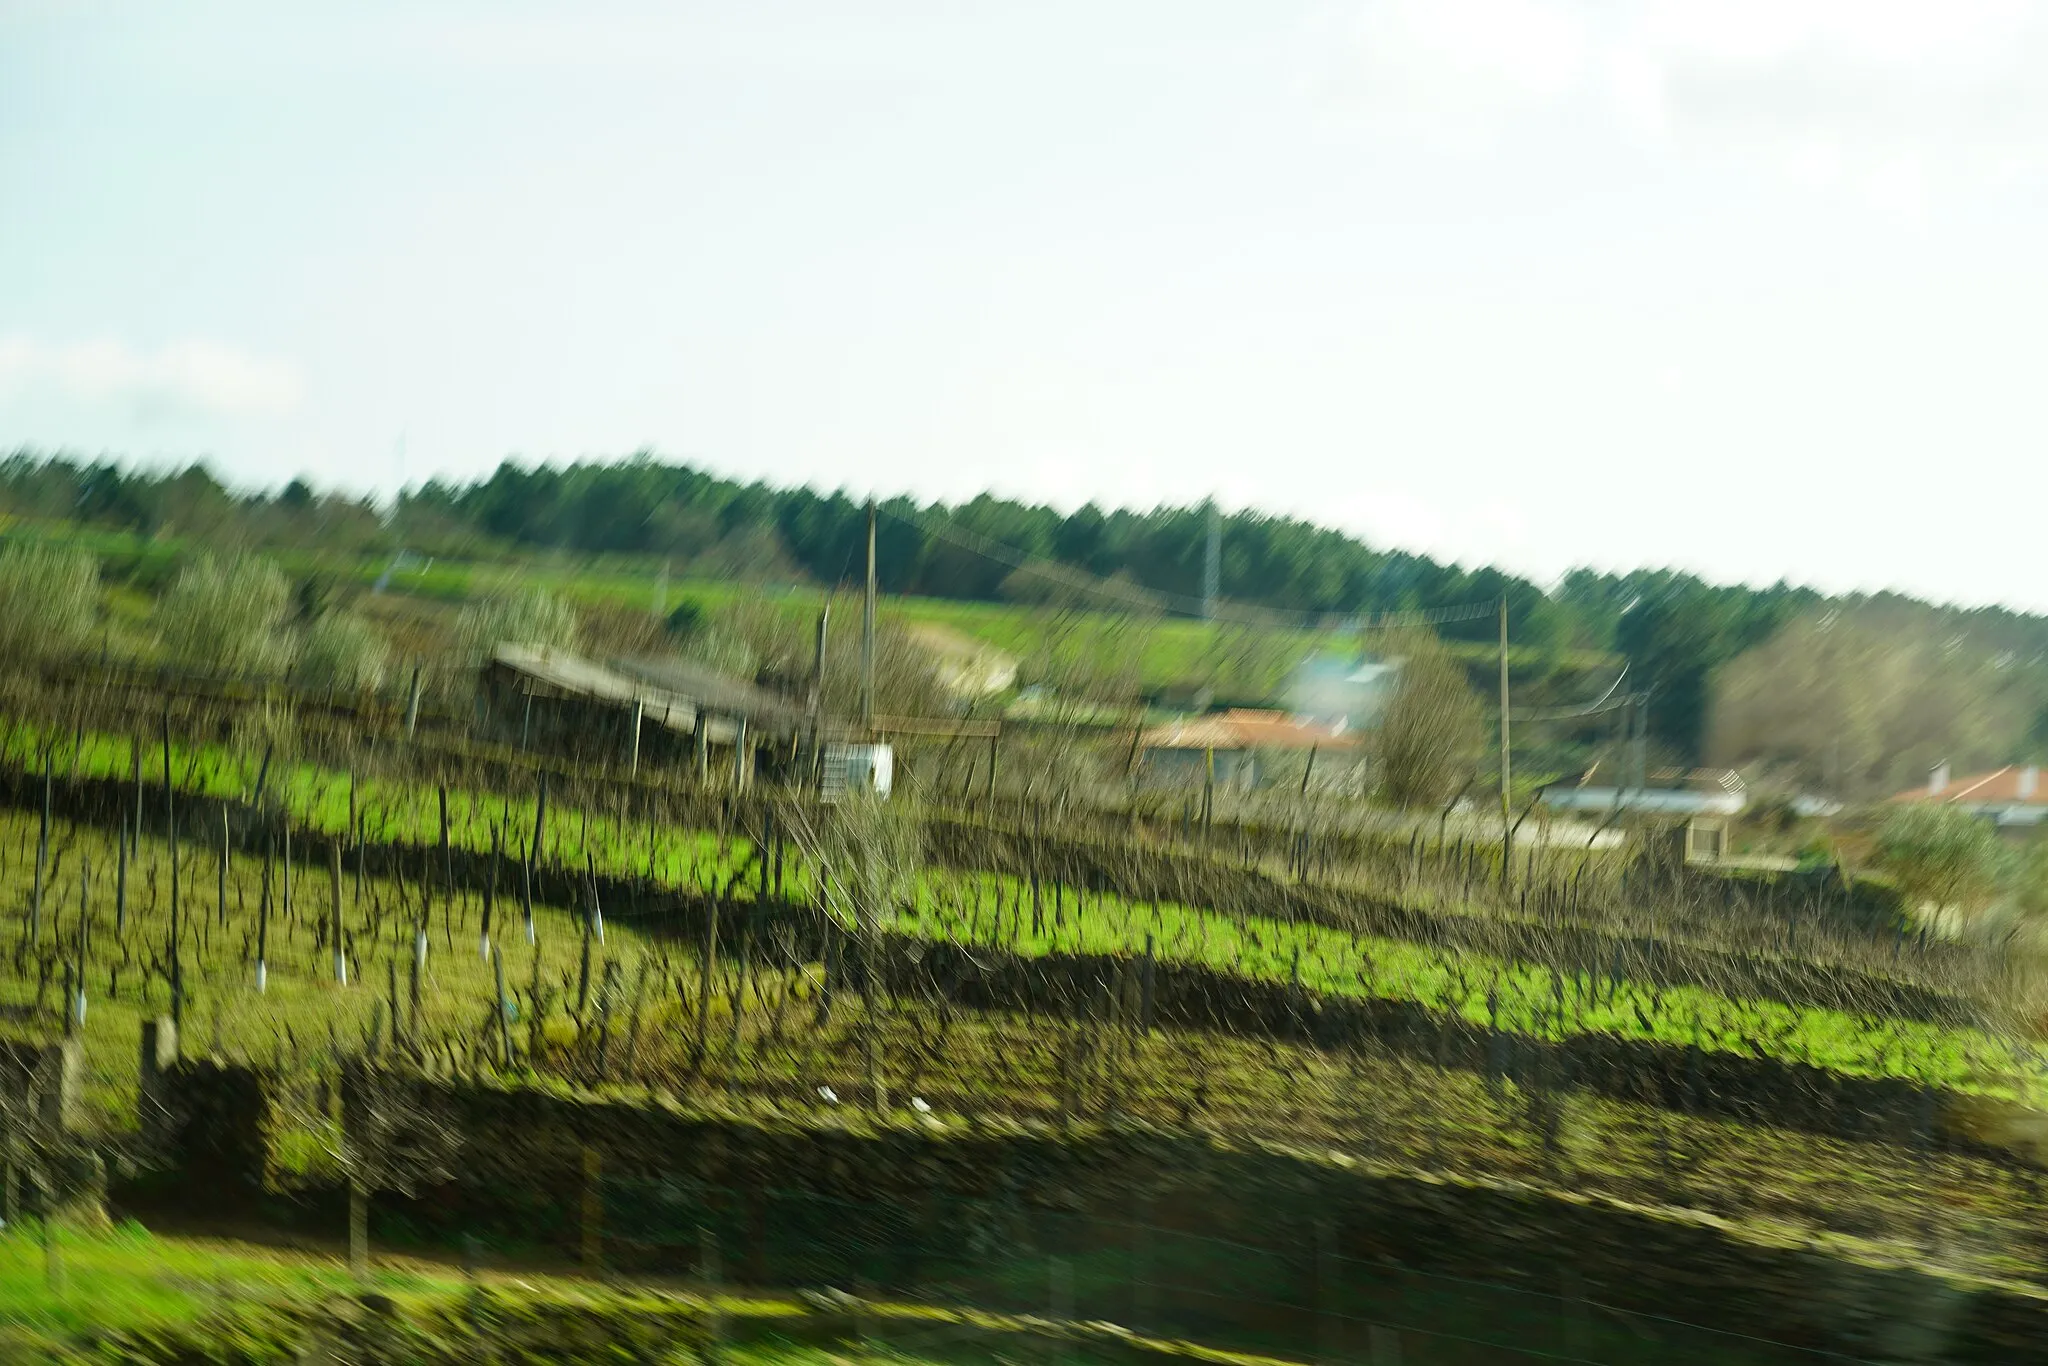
(1676, 630)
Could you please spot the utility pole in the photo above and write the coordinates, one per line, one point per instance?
(1643, 741)
(817, 698)
(1212, 564)
(1507, 829)
(867, 635)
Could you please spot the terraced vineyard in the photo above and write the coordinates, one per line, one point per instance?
(1031, 917)
(572, 932)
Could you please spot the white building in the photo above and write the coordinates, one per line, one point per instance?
(1343, 690)
(1665, 792)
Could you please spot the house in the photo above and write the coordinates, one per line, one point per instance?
(1248, 748)
(2011, 797)
(1353, 690)
(1665, 792)
(1691, 808)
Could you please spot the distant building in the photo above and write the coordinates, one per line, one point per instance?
(961, 665)
(1351, 690)
(2010, 797)
(1248, 748)
(1664, 792)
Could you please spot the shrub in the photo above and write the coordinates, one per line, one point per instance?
(226, 616)
(1431, 732)
(535, 617)
(687, 619)
(1939, 855)
(340, 650)
(49, 598)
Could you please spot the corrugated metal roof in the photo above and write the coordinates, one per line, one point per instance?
(580, 677)
(715, 691)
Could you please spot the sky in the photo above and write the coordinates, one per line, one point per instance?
(1749, 287)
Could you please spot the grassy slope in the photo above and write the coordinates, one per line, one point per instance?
(1242, 664)
(204, 1299)
(214, 1292)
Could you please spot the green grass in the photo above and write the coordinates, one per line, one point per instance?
(1240, 663)
(127, 1281)
(317, 799)
(301, 1012)
(1517, 997)
(201, 1299)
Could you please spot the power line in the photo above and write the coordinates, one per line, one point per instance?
(1596, 707)
(1183, 603)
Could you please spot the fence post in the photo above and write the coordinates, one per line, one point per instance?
(1145, 987)
(358, 1227)
(504, 1011)
(159, 1055)
(412, 702)
(334, 912)
(53, 1256)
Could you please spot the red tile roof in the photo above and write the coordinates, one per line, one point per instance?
(1243, 728)
(2000, 787)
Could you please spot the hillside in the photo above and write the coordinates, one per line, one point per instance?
(1100, 601)
(479, 976)
(1244, 662)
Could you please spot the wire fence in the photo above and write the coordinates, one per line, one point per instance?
(1295, 1296)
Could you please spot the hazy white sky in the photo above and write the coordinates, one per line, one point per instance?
(1755, 287)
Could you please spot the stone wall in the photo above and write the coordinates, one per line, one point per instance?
(1665, 1262)
(215, 1127)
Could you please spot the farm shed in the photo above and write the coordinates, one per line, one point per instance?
(1247, 749)
(598, 712)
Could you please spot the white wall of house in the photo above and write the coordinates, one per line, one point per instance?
(1345, 690)
(1664, 802)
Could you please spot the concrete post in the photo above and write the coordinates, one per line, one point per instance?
(159, 1056)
